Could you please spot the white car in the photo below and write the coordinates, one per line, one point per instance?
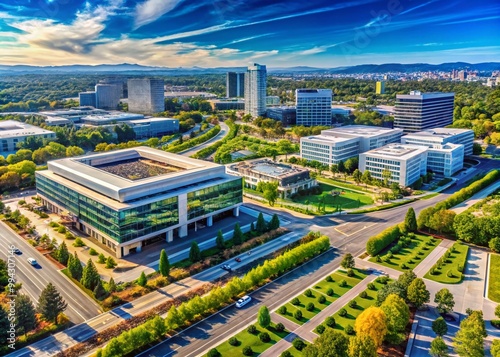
(32, 261)
(243, 301)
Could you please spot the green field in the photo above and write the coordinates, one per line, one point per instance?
(321, 289)
(411, 255)
(494, 278)
(452, 264)
(247, 339)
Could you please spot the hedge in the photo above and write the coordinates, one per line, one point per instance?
(380, 241)
(233, 131)
(195, 141)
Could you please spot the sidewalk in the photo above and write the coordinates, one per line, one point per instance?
(424, 266)
(476, 198)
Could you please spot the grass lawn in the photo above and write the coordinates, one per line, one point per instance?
(247, 339)
(295, 352)
(362, 304)
(494, 278)
(321, 288)
(419, 248)
(458, 258)
(383, 207)
(338, 182)
(347, 198)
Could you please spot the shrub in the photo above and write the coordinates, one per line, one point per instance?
(286, 354)
(233, 341)
(78, 242)
(342, 283)
(353, 304)
(371, 286)
(329, 279)
(382, 280)
(282, 310)
(321, 299)
(420, 252)
(450, 274)
(343, 312)
(247, 351)
(298, 344)
(403, 266)
(410, 261)
(461, 268)
(320, 329)
(330, 322)
(380, 241)
(350, 272)
(378, 259)
(310, 307)
(252, 329)
(295, 301)
(363, 295)
(298, 315)
(61, 229)
(69, 235)
(496, 323)
(389, 255)
(308, 293)
(279, 327)
(213, 353)
(264, 337)
(432, 271)
(349, 330)
(92, 251)
(329, 292)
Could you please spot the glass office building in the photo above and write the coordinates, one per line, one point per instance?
(127, 198)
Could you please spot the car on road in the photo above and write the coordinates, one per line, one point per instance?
(16, 250)
(32, 261)
(226, 267)
(243, 301)
(237, 259)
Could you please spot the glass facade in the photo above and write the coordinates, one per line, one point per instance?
(214, 198)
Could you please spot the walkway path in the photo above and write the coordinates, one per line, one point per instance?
(424, 266)
(476, 198)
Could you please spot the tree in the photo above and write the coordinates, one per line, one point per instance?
(194, 252)
(362, 346)
(63, 254)
(372, 322)
(110, 263)
(438, 348)
(4, 326)
(477, 149)
(341, 167)
(406, 279)
(439, 326)
(25, 314)
(497, 311)
(393, 288)
(164, 265)
(330, 343)
(410, 222)
(111, 285)
(142, 280)
(90, 276)
(495, 348)
(386, 177)
(99, 291)
(270, 192)
(444, 300)
(418, 294)
(219, 241)
(75, 267)
(348, 261)
(261, 224)
(237, 234)
(357, 176)
(469, 339)
(264, 317)
(274, 223)
(494, 245)
(101, 259)
(398, 316)
(334, 168)
(351, 164)
(51, 303)
(367, 177)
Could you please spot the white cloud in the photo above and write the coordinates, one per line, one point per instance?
(151, 10)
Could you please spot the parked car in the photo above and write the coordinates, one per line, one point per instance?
(226, 267)
(243, 301)
(32, 261)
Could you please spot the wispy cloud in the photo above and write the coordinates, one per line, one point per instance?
(249, 38)
(416, 7)
(151, 10)
(472, 20)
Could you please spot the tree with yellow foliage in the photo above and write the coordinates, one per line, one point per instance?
(372, 322)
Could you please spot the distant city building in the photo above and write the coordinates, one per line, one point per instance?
(442, 136)
(14, 132)
(87, 99)
(492, 82)
(290, 179)
(255, 90)
(340, 144)
(128, 198)
(146, 95)
(217, 104)
(420, 111)
(380, 87)
(107, 96)
(462, 75)
(406, 163)
(120, 83)
(145, 128)
(272, 100)
(109, 118)
(235, 84)
(314, 107)
(286, 115)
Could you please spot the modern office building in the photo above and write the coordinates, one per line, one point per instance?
(109, 118)
(129, 198)
(146, 95)
(272, 100)
(314, 107)
(120, 84)
(255, 90)
(445, 160)
(420, 111)
(339, 144)
(380, 87)
(290, 179)
(406, 163)
(286, 115)
(14, 132)
(217, 104)
(144, 128)
(235, 85)
(442, 136)
(107, 96)
(87, 99)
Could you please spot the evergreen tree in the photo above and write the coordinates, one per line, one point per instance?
(90, 276)
(111, 286)
(410, 220)
(51, 303)
(194, 252)
(264, 317)
(99, 291)
(164, 265)
(101, 259)
(75, 267)
(274, 223)
(219, 241)
(142, 280)
(4, 326)
(469, 340)
(439, 326)
(252, 227)
(25, 314)
(438, 348)
(341, 167)
(110, 263)
(261, 224)
(63, 254)
(237, 234)
(348, 261)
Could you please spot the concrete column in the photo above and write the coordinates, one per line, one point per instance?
(118, 251)
(236, 211)
(183, 231)
(170, 236)
(139, 247)
(210, 221)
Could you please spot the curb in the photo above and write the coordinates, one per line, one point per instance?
(413, 334)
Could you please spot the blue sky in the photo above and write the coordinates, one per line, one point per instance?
(185, 33)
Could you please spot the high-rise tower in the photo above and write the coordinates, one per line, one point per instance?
(255, 90)
(235, 85)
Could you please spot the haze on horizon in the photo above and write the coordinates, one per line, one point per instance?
(175, 33)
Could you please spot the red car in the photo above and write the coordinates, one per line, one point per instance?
(237, 259)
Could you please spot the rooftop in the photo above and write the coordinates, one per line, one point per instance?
(359, 131)
(269, 168)
(151, 120)
(12, 128)
(107, 116)
(439, 133)
(400, 151)
(418, 94)
(327, 138)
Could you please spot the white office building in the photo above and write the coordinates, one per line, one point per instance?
(420, 111)
(442, 136)
(146, 95)
(405, 162)
(339, 144)
(445, 160)
(14, 132)
(314, 107)
(255, 90)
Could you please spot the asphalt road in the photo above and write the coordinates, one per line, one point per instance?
(224, 130)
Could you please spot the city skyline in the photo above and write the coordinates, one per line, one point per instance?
(186, 33)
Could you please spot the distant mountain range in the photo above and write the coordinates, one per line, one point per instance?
(126, 68)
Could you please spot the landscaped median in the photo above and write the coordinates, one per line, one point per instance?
(449, 268)
(494, 278)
